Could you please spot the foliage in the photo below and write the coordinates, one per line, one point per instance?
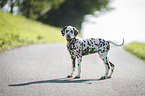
(35, 8)
(59, 12)
(18, 30)
(136, 48)
(72, 12)
(2, 3)
(31, 8)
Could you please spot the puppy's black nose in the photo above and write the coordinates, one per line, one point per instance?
(68, 36)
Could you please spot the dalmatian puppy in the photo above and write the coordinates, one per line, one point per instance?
(79, 47)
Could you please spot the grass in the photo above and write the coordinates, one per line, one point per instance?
(137, 49)
(18, 31)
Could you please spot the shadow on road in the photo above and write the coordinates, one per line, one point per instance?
(60, 80)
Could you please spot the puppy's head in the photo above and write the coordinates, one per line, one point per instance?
(70, 32)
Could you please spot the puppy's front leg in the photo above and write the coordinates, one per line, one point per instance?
(79, 59)
(73, 67)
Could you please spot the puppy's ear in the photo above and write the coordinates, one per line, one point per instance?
(63, 31)
(75, 31)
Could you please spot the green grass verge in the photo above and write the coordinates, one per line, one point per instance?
(18, 31)
(137, 49)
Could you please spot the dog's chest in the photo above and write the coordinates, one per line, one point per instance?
(74, 48)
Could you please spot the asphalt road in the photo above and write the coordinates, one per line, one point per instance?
(41, 70)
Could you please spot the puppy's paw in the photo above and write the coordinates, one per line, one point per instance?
(103, 77)
(108, 77)
(69, 76)
(77, 77)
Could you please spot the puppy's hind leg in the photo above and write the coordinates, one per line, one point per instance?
(112, 69)
(103, 56)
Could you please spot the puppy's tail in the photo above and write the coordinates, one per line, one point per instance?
(115, 43)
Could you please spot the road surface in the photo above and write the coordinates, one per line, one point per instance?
(41, 70)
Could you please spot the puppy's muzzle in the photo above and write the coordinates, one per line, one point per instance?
(68, 37)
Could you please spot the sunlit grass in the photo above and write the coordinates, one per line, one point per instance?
(18, 31)
(136, 48)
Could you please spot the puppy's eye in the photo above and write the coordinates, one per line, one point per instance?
(71, 31)
(67, 31)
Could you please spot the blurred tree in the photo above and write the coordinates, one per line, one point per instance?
(72, 12)
(12, 2)
(2, 3)
(25, 8)
(35, 8)
(58, 12)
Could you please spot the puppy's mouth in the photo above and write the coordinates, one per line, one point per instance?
(68, 38)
